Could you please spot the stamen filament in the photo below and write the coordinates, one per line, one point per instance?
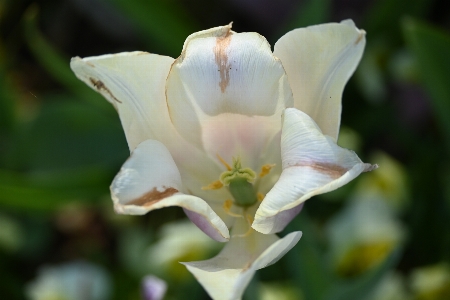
(213, 185)
(227, 208)
(224, 162)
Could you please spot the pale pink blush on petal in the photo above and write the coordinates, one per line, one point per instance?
(204, 225)
(230, 135)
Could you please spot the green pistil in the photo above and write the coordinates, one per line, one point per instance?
(239, 181)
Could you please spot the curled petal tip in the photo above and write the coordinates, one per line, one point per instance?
(312, 164)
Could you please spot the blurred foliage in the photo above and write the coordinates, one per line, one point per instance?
(430, 47)
(61, 143)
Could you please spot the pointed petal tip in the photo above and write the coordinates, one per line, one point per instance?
(361, 32)
(226, 276)
(369, 167)
(295, 236)
(351, 23)
(348, 22)
(75, 58)
(219, 31)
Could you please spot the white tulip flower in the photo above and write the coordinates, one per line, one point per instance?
(236, 135)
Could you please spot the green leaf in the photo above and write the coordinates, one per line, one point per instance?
(361, 286)
(8, 99)
(309, 13)
(133, 244)
(56, 64)
(430, 47)
(312, 13)
(163, 23)
(383, 16)
(69, 135)
(70, 152)
(251, 292)
(7, 106)
(19, 193)
(306, 260)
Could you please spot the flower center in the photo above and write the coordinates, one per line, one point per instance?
(243, 186)
(240, 184)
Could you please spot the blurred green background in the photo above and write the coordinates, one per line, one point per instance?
(386, 235)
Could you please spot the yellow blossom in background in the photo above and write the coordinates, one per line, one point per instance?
(362, 235)
(431, 282)
(391, 287)
(279, 291)
(349, 138)
(390, 182)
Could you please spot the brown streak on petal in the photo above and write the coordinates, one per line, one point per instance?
(221, 57)
(152, 197)
(332, 170)
(99, 85)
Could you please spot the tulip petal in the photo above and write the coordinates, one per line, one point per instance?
(312, 164)
(134, 82)
(319, 60)
(205, 225)
(226, 93)
(150, 180)
(226, 276)
(278, 222)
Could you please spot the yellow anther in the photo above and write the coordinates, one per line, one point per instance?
(266, 169)
(213, 186)
(227, 205)
(224, 162)
(260, 197)
(227, 208)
